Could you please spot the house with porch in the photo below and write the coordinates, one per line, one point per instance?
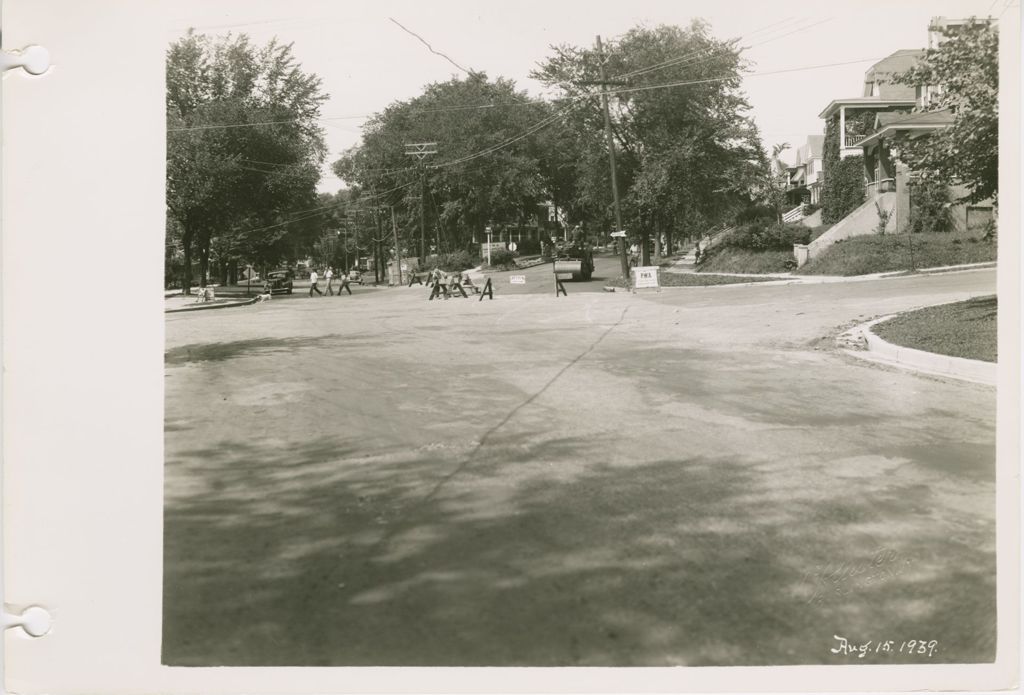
(852, 119)
(874, 126)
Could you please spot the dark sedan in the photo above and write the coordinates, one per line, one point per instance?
(278, 282)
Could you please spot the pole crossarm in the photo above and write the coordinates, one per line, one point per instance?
(420, 150)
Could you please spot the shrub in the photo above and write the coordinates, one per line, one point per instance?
(930, 206)
(502, 259)
(460, 260)
(758, 236)
(883, 217)
(756, 213)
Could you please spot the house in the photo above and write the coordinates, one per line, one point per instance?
(875, 126)
(853, 118)
(805, 177)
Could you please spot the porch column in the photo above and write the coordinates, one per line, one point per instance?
(842, 130)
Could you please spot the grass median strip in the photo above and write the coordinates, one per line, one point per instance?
(964, 329)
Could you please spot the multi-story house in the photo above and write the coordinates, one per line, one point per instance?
(806, 175)
(850, 120)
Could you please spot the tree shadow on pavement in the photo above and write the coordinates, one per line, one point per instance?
(315, 555)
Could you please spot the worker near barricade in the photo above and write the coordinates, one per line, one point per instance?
(345, 279)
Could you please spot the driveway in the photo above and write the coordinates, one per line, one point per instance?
(690, 477)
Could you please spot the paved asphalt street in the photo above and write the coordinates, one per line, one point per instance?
(693, 477)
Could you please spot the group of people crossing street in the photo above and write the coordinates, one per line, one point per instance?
(314, 279)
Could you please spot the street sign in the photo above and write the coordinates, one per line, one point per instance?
(619, 234)
(517, 279)
(645, 276)
(512, 246)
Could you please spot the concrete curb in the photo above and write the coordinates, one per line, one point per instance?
(882, 351)
(205, 307)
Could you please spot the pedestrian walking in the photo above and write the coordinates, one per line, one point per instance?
(344, 285)
(313, 277)
(330, 278)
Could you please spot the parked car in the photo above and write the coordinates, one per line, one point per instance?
(355, 276)
(278, 282)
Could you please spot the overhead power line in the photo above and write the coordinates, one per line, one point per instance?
(429, 47)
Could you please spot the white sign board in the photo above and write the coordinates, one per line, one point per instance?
(517, 279)
(618, 234)
(645, 276)
(512, 246)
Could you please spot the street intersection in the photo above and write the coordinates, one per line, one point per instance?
(689, 477)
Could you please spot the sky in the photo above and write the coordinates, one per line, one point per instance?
(366, 61)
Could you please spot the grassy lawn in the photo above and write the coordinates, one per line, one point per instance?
(732, 260)
(695, 280)
(880, 254)
(700, 279)
(965, 329)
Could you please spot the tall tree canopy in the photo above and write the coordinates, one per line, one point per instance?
(485, 169)
(688, 154)
(965, 69)
(244, 150)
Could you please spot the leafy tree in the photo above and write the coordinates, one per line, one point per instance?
(463, 192)
(243, 151)
(965, 70)
(688, 155)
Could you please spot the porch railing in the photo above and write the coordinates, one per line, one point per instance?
(876, 188)
(852, 140)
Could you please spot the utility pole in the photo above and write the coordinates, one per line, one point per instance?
(421, 150)
(611, 159)
(398, 250)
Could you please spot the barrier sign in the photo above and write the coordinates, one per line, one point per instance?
(619, 234)
(645, 276)
(517, 279)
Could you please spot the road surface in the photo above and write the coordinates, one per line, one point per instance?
(690, 477)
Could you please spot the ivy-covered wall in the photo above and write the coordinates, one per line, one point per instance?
(843, 190)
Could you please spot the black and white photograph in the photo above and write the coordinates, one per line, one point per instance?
(551, 335)
(562, 346)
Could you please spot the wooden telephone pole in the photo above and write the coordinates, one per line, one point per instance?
(421, 150)
(604, 83)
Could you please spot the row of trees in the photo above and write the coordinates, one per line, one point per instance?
(244, 150)
(689, 156)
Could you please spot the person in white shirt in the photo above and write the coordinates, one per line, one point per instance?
(330, 278)
(313, 277)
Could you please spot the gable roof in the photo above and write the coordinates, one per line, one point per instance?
(815, 145)
(884, 70)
